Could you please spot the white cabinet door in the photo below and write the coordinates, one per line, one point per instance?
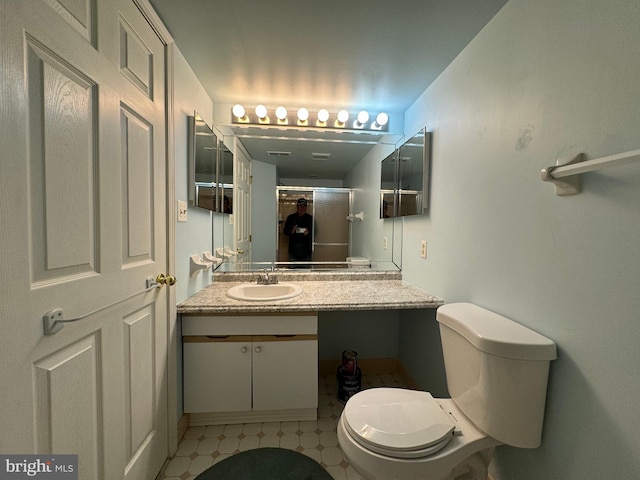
(217, 375)
(285, 373)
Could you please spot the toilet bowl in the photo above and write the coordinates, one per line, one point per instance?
(398, 434)
(497, 372)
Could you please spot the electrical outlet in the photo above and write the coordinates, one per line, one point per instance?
(423, 248)
(384, 243)
(182, 211)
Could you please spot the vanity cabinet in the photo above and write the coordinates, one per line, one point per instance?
(250, 368)
(217, 374)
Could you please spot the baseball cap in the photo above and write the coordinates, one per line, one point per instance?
(302, 201)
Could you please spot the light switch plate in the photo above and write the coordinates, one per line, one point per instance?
(182, 211)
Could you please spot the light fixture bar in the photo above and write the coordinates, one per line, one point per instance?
(303, 117)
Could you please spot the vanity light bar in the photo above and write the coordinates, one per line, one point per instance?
(302, 117)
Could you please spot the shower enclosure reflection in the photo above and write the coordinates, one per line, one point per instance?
(329, 208)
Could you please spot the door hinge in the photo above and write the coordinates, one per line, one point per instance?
(250, 237)
(250, 179)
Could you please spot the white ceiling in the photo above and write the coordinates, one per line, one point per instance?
(356, 54)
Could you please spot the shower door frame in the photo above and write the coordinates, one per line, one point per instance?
(313, 191)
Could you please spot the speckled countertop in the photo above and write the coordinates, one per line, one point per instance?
(320, 292)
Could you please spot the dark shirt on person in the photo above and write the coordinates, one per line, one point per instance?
(300, 239)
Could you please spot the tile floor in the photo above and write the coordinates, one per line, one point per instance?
(205, 446)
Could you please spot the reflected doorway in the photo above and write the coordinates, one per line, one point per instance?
(331, 231)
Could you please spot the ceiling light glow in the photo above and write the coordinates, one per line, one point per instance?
(323, 115)
(303, 114)
(382, 119)
(261, 111)
(281, 113)
(238, 111)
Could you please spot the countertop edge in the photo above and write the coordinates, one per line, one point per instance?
(317, 296)
(305, 308)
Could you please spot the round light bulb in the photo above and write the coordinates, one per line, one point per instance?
(261, 111)
(363, 117)
(238, 111)
(303, 114)
(323, 115)
(281, 113)
(382, 119)
(343, 116)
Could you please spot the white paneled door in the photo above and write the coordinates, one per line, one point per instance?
(242, 204)
(83, 221)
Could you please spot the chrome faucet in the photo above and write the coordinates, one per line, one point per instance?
(266, 279)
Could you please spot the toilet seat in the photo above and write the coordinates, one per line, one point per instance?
(398, 422)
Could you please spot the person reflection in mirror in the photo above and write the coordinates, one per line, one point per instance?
(298, 227)
(385, 209)
(226, 205)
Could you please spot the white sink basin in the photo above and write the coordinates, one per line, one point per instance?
(256, 292)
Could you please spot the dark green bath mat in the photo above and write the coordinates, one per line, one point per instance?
(266, 464)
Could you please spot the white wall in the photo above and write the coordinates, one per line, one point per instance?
(194, 236)
(543, 80)
(367, 237)
(311, 182)
(264, 216)
(373, 334)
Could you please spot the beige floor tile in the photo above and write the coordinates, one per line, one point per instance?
(205, 446)
(208, 446)
(200, 464)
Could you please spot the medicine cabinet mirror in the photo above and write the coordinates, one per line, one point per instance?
(210, 168)
(404, 179)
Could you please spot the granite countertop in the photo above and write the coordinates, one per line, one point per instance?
(319, 293)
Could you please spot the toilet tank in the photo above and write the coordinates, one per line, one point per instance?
(497, 372)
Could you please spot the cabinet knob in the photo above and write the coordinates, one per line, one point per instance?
(258, 349)
(244, 349)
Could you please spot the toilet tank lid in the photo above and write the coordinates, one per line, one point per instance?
(492, 333)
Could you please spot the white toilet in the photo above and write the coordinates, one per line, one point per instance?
(497, 373)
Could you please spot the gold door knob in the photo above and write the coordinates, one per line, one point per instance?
(163, 279)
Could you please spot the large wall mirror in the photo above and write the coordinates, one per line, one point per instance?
(325, 168)
(404, 178)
